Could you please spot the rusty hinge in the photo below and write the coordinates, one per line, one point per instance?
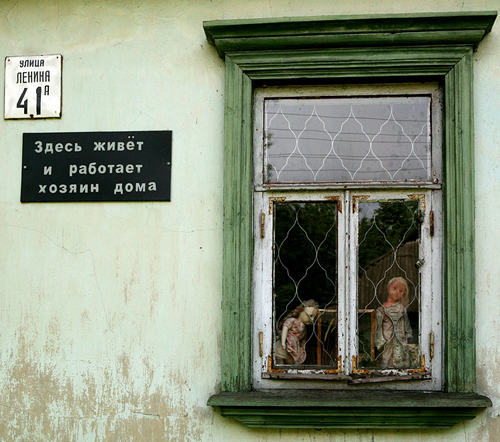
(262, 225)
(261, 340)
(431, 229)
(432, 345)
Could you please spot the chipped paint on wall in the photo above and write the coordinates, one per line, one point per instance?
(60, 402)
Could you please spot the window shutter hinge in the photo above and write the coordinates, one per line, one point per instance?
(262, 225)
(261, 340)
(431, 345)
(431, 228)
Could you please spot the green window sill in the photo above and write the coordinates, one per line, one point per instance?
(349, 409)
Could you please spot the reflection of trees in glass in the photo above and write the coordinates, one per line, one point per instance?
(388, 246)
(384, 229)
(305, 254)
(268, 164)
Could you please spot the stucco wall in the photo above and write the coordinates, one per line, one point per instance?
(110, 312)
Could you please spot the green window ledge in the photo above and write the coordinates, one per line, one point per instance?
(349, 409)
(416, 47)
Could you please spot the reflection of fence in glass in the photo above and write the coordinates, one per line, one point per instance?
(326, 337)
(340, 139)
(388, 323)
(305, 268)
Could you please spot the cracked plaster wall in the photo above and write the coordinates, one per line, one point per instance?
(110, 312)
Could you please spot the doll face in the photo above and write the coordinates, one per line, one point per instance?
(308, 315)
(396, 291)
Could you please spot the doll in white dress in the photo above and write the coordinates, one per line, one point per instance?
(392, 327)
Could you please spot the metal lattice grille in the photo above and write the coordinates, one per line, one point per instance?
(388, 258)
(305, 260)
(346, 140)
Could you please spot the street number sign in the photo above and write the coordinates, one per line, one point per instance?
(33, 87)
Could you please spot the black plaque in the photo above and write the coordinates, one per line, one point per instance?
(96, 166)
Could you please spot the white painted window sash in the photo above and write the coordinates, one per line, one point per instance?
(431, 308)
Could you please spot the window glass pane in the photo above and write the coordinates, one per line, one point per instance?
(347, 139)
(305, 284)
(388, 284)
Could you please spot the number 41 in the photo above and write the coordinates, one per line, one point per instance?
(22, 103)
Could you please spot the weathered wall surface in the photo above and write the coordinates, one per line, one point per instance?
(110, 312)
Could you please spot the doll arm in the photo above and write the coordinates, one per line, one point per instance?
(284, 334)
(408, 330)
(379, 337)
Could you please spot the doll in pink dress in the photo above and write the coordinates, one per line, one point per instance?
(290, 348)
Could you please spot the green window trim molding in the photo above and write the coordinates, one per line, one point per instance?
(414, 47)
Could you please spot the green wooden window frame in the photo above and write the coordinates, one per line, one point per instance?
(339, 49)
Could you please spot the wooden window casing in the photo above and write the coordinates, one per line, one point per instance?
(411, 47)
